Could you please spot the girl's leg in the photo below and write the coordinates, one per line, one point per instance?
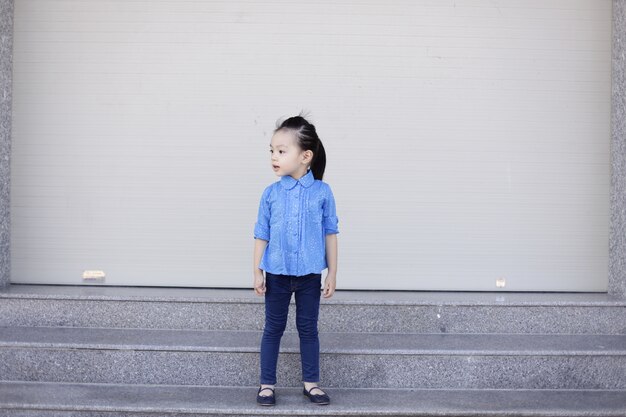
(308, 293)
(277, 298)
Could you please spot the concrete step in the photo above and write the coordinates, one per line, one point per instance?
(346, 311)
(348, 360)
(30, 399)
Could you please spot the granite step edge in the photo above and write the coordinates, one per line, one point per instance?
(348, 297)
(221, 400)
(330, 342)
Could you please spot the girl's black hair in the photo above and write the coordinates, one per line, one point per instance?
(307, 139)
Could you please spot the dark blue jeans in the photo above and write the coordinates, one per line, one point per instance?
(278, 289)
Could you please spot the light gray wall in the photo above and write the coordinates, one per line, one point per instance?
(126, 116)
(617, 242)
(6, 76)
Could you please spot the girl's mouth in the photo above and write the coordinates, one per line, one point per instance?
(275, 166)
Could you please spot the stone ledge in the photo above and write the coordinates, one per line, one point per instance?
(38, 397)
(330, 342)
(243, 295)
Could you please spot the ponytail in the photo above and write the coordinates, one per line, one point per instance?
(318, 164)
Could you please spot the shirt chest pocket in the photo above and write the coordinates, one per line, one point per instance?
(315, 210)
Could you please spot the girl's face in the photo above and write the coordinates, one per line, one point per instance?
(286, 156)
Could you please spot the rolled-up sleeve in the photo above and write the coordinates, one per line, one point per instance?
(330, 219)
(262, 225)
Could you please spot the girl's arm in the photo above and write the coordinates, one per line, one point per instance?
(259, 279)
(331, 259)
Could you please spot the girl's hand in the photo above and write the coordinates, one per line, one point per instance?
(329, 285)
(259, 283)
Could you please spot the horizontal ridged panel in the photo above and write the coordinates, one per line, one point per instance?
(467, 141)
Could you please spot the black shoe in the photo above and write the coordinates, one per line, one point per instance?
(321, 399)
(265, 399)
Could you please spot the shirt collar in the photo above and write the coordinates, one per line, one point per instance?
(289, 182)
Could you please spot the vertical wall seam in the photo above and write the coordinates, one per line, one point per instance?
(6, 101)
(617, 233)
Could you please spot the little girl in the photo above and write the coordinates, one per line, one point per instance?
(295, 239)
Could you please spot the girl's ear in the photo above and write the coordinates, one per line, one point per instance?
(308, 156)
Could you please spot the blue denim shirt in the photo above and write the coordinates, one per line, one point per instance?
(294, 217)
